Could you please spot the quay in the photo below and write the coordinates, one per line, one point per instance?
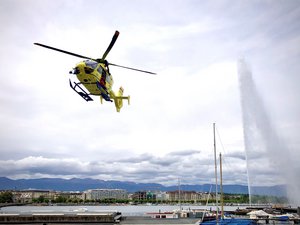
(60, 218)
(142, 220)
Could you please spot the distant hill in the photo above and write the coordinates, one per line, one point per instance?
(76, 184)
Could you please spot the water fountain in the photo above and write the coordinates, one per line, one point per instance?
(262, 141)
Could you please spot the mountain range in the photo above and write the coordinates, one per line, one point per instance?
(76, 184)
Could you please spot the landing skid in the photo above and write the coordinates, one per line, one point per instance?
(104, 93)
(81, 91)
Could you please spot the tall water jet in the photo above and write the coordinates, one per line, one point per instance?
(264, 149)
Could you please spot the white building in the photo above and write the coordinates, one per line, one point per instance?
(99, 194)
(161, 195)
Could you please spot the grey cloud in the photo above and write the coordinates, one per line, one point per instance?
(184, 153)
(147, 171)
(167, 160)
(238, 155)
(136, 159)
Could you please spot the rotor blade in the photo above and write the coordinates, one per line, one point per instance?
(63, 51)
(131, 68)
(113, 40)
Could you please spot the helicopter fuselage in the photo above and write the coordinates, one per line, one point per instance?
(94, 76)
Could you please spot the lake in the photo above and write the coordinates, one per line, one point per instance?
(126, 210)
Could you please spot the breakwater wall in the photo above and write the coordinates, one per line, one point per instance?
(57, 218)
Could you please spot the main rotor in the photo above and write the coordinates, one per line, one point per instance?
(98, 60)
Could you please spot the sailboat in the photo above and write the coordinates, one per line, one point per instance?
(222, 220)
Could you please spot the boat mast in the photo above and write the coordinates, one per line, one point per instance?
(216, 173)
(221, 187)
(179, 195)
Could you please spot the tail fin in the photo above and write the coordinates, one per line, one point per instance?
(118, 99)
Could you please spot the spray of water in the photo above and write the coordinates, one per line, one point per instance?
(261, 140)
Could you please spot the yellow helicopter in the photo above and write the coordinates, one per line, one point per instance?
(94, 75)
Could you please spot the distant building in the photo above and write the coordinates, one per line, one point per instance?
(139, 195)
(72, 195)
(100, 194)
(26, 196)
(160, 195)
(184, 195)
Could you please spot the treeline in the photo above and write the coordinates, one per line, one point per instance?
(228, 199)
(64, 200)
(7, 197)
(243, 200)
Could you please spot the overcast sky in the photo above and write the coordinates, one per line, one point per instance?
(166, 133)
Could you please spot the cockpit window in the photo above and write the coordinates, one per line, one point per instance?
(91, 64)
(108, 79)
(100, 70)
(88, 70)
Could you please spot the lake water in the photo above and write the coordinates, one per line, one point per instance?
(126, 210)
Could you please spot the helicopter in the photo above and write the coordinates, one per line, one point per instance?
(95, 76)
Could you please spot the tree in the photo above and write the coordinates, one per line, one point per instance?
(60, 199)
(6, 197)
(41, 199)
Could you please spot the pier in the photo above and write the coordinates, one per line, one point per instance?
(60, 218)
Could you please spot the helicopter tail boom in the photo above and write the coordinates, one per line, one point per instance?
(118, 98)
(119, 102)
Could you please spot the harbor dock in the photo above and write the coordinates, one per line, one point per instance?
(61, 218)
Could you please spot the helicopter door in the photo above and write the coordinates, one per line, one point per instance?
(103, 76)
(108, 79)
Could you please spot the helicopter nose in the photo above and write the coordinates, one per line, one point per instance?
(75, 71)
